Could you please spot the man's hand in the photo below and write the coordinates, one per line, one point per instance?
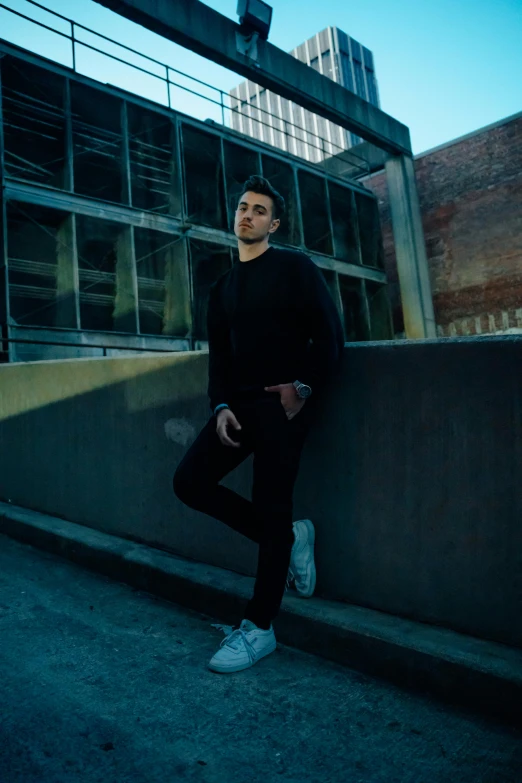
(227, 421)
(290, 400)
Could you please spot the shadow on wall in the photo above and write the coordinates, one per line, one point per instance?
(97, 442)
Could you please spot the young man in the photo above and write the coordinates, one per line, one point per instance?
(264, 380)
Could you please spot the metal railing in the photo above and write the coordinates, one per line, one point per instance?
(77, 42)
(293, 132)
(104, 347)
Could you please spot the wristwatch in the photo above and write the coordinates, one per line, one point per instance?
(303, 391)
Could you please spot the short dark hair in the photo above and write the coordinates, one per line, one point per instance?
(257, 184)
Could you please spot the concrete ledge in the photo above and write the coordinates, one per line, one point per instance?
(460, 669)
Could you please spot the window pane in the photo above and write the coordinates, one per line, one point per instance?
(327, 65)
(344, 222)
(34, 123)
(240, 164)
(153, 161)
(359, 80)
(97, 242)
(379, 306)
(368, 58)
(163, 289)
(209, 261)
(316, 225)
(330, 279)
(355, 326)
(38, 245)
(97, 142)
(356, 50)
(281, 176)
(372, 88)
(369, 231)
(203, 178)
(347, 72)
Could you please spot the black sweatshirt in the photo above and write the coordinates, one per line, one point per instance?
(262, 315)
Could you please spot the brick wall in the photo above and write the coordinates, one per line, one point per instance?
(470, 194)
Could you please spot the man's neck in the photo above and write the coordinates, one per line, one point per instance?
(249, 252)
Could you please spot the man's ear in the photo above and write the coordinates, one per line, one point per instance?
(274, 226)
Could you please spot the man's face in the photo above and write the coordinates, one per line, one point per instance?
(253, 222)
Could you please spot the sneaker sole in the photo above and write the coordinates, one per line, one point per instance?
(223, 669)
(311, 574)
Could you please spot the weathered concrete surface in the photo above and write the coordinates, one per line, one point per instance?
(410, 249)
(411, 472)
(457, 668)
(103, 683)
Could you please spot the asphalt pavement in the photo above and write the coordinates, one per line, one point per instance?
(102, 682)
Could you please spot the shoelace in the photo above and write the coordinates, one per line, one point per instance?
(234, 639)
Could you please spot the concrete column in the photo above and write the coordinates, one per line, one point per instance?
(410, 250)
(126, 300)
(177, 318)
(67, 282)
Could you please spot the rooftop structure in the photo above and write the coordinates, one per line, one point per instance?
(117, 216)
(264, 115)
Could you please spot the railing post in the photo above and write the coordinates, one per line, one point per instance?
(73, 41)
(168, 85)
(222, 107)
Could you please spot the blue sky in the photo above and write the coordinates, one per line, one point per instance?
(444, 67)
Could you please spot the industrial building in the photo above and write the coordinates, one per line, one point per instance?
(116, 217)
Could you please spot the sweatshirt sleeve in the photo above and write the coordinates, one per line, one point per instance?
(219, 349)
(324, 329)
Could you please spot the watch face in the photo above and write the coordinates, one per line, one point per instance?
(304, 392)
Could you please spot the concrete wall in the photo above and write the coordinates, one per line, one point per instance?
(412, 471)
(470, 192)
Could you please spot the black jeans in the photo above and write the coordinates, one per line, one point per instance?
(276, 443)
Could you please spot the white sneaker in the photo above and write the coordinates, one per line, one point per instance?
(302, 565)
(243, 648)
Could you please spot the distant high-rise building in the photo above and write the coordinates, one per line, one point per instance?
(268, 117)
